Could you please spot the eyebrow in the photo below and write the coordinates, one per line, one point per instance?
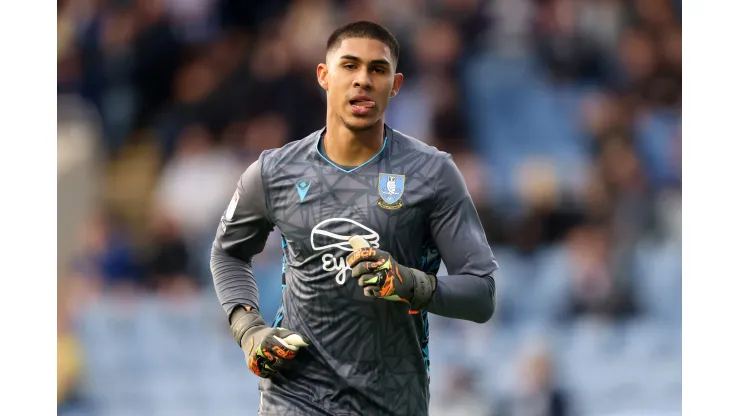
(373, 62)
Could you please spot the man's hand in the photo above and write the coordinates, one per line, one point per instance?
(266, 349)
(382, 277)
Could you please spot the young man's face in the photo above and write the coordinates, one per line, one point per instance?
(359, 78)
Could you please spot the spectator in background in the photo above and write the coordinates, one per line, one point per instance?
(280, 84)
(157, 53)
(193, 21)
(658, 15)
(108, 260)
(572, 39)
(547, 213)
(128, 56)
(630, 202)
(194, 185)
(109, 62)
(249, 139)
(194, 82)
(618, 193)
(650, 72)
(432, 91)
(477, 177)
(537, 393)
(69, 69)
(169, 266)
(305, 27)
(603, 114)
(594, 288)
(194, 188)
(460, 395)
(470, 20)
(637, 58)
(510, 32)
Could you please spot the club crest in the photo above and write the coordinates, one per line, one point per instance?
(390, 189)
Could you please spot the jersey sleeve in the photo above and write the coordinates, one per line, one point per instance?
(245, 224)
(468, 292)
(456, 227)
(242, 233)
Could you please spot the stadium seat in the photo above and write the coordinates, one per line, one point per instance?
(151, 358)
(511, 285)
(656, 135)
(658, 281)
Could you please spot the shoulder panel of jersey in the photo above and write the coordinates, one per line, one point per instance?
(405, 145)
(405, 142)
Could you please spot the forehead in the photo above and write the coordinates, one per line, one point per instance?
(365, 49)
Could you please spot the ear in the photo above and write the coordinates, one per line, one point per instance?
(322, 74)
(397, 81)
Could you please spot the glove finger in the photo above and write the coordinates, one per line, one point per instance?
(282, 353)
(374, 279)
(267, 355)
(360, 269)
(259, 366)
(283, 350)
(357, 242)
(363, 254)
(367, 267)
(268, 370)
(371, 291)
(290, 339)
(274, 359)
(296, 340)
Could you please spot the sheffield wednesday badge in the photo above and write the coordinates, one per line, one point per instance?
(390, 189)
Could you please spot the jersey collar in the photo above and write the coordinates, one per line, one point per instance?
(376, 157)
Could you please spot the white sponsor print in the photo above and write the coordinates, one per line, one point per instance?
(325, 236)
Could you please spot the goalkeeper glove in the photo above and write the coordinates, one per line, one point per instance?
(382, 277)
(266, 349)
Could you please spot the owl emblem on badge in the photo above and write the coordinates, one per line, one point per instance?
(391, 185)
(390, 189)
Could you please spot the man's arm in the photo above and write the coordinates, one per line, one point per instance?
(469, 291)
(242, 233)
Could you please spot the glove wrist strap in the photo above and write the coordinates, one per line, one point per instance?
(424, 287)
(242, 320)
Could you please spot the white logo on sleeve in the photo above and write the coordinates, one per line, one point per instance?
(335, 233)
(232, 206)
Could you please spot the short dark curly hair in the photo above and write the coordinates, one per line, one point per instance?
(366, 30)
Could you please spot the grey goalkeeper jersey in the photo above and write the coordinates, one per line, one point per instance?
(367, 356)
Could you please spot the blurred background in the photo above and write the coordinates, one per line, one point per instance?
(564, 116)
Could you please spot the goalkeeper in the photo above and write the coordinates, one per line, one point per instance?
(351, 336)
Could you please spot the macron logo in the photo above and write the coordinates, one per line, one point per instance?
(302, 189)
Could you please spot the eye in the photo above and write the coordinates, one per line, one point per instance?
(350, 66)
(379, 70)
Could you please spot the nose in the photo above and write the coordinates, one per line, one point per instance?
(362, 80)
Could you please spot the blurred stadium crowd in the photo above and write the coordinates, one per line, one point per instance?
(564, 116)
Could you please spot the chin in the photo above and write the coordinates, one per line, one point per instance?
(359, 124)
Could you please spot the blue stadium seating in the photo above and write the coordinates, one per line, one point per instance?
(158, 357)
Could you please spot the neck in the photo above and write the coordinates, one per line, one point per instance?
(352, 148)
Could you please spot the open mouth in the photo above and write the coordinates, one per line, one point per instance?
(361, 105)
